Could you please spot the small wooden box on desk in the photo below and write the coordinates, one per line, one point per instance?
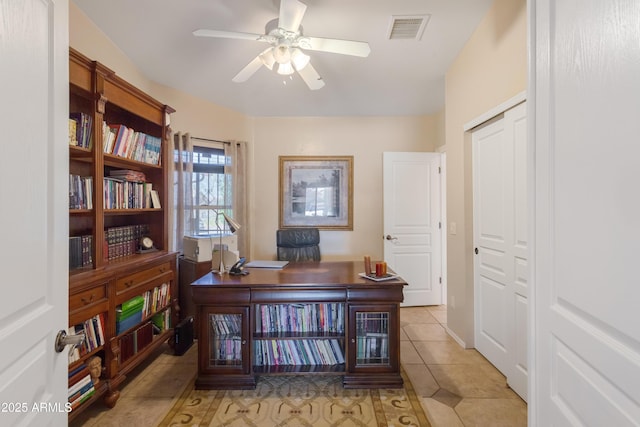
(317, 318)
(188, 272)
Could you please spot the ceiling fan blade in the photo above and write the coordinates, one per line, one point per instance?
(311, 77)
(248, 71)
(344, 47)
(228, 34)
(291, 13)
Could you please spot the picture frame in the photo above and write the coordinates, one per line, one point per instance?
(316, 191)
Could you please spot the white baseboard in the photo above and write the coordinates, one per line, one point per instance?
(455, 337)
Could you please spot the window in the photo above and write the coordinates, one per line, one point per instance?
(211, 190)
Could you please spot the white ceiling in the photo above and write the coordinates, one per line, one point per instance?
(399, 77)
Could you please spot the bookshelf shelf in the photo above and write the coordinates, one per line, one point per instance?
(121, 162)
(130, 211)
(105, 269)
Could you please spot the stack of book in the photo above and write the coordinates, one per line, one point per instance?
(128, 175)
(129, 314)
(80, 386)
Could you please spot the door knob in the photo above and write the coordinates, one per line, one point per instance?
(390, 237)
(62, 340)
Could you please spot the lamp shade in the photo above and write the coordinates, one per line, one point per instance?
(232, 223)
(299, 59)
(285, 69)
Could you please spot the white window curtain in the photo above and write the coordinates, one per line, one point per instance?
(183, 217)
(236, 168)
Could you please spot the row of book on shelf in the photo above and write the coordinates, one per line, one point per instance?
(80, 251)
(123, 241)
(372, 348)
(132, 311)
(123, 189)
(117, 139)
(81, 386)
(123, 194)
(80, 130)
(126, 142)
(298, 352)
(226, 348)
(93, 330)
(80, 192)
(226, 325)
(156, 299)
(372, 322)
(327, 317)
(119, 242)
(135, 341)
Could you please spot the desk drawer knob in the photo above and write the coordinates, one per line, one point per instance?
(87, 301)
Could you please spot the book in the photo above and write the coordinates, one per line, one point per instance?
(267, 264)
(155, 199)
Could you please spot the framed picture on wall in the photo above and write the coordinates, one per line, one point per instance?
(316, 191)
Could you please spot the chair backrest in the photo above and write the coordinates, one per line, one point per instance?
(298, 244)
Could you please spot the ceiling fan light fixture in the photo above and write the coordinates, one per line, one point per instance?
(285, 69)
(267, 58)
(282, 54)
(299, 59)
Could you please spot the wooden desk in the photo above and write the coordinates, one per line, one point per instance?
(252, 325)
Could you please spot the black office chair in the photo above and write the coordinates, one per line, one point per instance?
(298, 244)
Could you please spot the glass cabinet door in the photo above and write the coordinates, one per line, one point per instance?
(228, 345)
(374, 338)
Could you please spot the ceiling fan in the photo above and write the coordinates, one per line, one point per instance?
(287, 41)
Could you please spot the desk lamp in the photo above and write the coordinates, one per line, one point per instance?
(233, 227)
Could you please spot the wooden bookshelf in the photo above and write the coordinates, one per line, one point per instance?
(107, 269)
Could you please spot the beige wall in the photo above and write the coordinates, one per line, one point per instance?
(491, 68)
(365, 138)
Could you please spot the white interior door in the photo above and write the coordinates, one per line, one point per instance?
(412, 224)
(34, 211)
(500, 238)
(586, 172)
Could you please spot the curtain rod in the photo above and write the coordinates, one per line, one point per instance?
(211, 140)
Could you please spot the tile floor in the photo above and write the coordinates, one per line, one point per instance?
(457, 387)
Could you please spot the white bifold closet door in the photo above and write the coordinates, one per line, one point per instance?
(500, 244)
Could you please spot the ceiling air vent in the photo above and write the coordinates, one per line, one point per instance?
(407, 27)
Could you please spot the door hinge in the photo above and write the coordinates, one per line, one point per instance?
(440, 280)
(440, 225)
(439, 169)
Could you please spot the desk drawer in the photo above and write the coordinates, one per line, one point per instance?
(87, 298)
(142, 278)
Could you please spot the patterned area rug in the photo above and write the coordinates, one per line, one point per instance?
(297, 401)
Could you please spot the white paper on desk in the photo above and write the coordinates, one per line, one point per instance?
(266, 264)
